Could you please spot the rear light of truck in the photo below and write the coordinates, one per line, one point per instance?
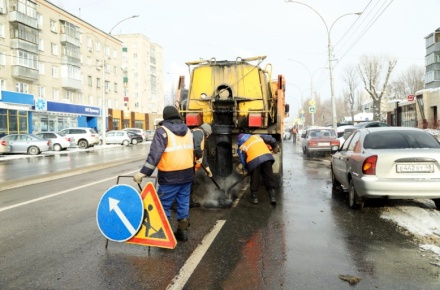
(369, 165)
(255, 120)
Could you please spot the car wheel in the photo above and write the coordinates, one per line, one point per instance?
(83, 144)
(134, 141)
(353, 199)
(125, 142)
(335, 183)
(33, 150)
(308, 153)
(437, 202)
(57, 147)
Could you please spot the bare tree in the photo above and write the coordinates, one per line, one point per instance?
(375, 72)
(351, 78)
(408, 82)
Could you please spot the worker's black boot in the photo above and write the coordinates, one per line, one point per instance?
(182, 230)
(254, 198)
(272, 196)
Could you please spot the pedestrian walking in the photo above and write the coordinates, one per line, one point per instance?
(172, 152)
(257, 160)
(294, 132)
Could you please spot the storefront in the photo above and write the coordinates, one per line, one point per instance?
(15, 112)
(19, 113)
(54, 116)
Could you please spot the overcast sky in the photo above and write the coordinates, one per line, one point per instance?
(227, 29)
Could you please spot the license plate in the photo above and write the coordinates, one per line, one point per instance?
(323, 144)
(415, 168)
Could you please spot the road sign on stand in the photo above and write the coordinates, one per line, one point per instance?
(311, 110)
(156, 230)
(120, 213)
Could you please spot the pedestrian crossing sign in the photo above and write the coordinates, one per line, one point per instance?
(155, 230)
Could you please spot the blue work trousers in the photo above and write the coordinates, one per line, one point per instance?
(179, 192)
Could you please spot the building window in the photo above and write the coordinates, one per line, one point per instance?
(41, 44)
(27, 59)
(98, 82)
(98, 64)
(41, 92)
(107, 86)
(2, 58)
(22, 88)
(3, 85)
(54, 48)
(2, 30)
(68, 97)
(55, 94)
(115, 87)
(91, 100)
(55, 72)
(89, 81)
(53, 26)
(97, 46)
(41, 68)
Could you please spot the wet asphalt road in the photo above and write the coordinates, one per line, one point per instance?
(49, 238)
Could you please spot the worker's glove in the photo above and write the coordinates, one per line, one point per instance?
(138, 177)
(276, 150)
(208, 172)
(240, 169)
(199, 160)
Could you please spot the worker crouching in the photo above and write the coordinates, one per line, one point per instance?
(257, 160)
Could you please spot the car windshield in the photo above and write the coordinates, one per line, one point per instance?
(400, 140)
(322, 133)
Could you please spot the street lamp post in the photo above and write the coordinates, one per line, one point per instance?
(329, 49)
(103, 109)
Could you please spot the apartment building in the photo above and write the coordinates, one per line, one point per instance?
(58, 71)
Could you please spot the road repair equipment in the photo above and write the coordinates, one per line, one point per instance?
(212, 178)
(233, 97)
(228, 191)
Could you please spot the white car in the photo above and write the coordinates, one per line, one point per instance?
(137, 131)
(83, 137)
(118, 137)
(58, 142)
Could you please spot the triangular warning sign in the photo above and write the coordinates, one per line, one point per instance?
(155, 230)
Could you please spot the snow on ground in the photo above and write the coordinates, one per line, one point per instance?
(421, 219)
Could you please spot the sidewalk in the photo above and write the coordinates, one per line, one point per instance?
(70, 150)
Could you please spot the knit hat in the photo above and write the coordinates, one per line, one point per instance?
(207, 128)
(170, 112)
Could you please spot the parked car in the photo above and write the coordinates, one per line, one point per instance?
(343, 132)
(83, 137)
(4, 146)
(118, 137)
(135, 137)
(149, 134)
(58, 142)
(138, 131)
(319, 140)
(287, 135)
(388, 162)
(26, 143)
(371, 124)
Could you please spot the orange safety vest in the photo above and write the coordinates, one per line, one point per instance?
(254, 147)
(179, 153)
(202, 145)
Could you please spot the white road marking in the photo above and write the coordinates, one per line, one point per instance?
(188, 268)
(60, 193)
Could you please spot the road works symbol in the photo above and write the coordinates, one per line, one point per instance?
(120, 213)
(155, 230)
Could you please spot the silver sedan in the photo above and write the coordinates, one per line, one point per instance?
(388, 162)
(27, 143)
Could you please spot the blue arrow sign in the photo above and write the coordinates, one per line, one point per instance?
(120, 213)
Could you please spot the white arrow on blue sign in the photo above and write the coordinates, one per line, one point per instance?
(120, 213)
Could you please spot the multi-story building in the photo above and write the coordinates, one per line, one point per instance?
(142, 63)
(58, 71)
